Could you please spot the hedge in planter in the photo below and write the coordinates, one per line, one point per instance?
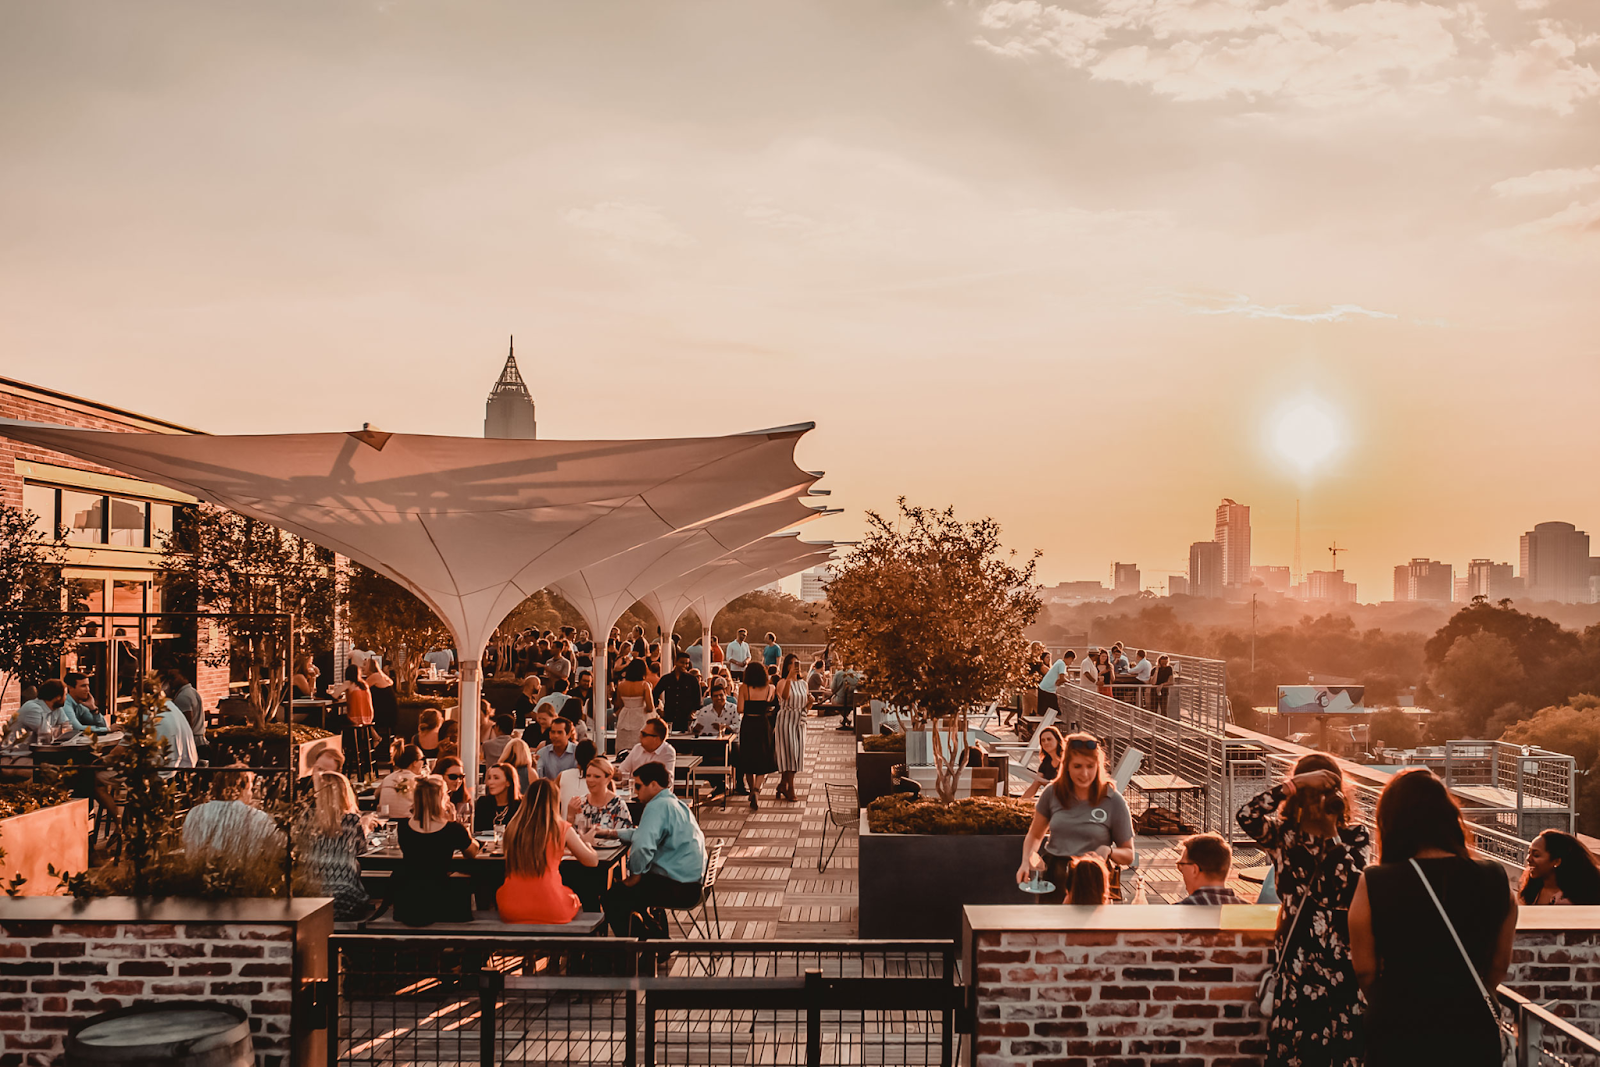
(901, 813)
(23, 797)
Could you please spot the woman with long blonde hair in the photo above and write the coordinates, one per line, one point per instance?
(333, 837)
(535, 841)
(429, 840)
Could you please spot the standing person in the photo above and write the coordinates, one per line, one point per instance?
(1307, 827)
(758, 714)
(1161, 687)
(636, 700)
(1082, 813)
(334, 836)
(1559, 871)
(184, 694)
(1046, 695)
(535, 840)
(738, 654)
(772, 653)
(789, 728)
(358, 726)
(385, 705)
(679, 693)
(429, 840)
(1431, 928)
(1051, 747)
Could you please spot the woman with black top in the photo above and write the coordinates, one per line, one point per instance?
(1559, 871)
(1162, 686)
(385, 706)
(1318, 848)
(429, 840)
(758, 717)
(1423, 1004)
(501, 796)
(1051, 745)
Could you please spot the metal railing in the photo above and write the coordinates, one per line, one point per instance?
(501, 998)
(1544, 1039)
(1199, 693)
(1521, 788)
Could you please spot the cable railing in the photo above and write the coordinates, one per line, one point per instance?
(1544, 1039)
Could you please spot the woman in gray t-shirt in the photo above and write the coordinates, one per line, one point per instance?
(1083, 814)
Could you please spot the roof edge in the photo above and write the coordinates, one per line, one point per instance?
(17, 387)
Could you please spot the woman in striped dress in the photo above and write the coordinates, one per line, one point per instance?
(793, 700)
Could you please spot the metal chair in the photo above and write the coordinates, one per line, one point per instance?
(706, 908)
(844, 812)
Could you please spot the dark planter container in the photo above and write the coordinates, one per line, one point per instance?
(873, 777)
(915, 885)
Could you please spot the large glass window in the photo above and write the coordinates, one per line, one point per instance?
(160, 525)
(84, 515)
(41, 500)
(127, 522)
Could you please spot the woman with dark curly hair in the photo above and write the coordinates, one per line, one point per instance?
(1559, 871)
(1307, 826)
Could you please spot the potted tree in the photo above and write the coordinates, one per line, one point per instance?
(931, 610)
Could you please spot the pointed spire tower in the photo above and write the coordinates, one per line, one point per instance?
(509, 412)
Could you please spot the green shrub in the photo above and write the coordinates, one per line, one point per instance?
(901, 813)
(272, 731)
(884, 742)
(23, 797)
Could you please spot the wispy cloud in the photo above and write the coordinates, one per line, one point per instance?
(1544, 73)
(1546, 182)
(1239, 304)
(628, 223)
(1573, 233)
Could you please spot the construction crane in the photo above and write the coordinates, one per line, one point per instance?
(1335, 550)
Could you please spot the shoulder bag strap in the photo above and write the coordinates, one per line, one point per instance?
(1294, 924)
(1448, 925)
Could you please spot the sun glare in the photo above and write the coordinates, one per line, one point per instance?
(1306, 433)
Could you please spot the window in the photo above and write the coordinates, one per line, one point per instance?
(41, 500)
(127, 522)
(160, 525)
(84, 516)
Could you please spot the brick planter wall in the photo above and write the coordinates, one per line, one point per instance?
(1172, 986)
(60, 963)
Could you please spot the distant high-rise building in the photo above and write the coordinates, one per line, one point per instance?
(1555, 563)
(1205, 570)
(1424, 579)
(1459, 594)
(1233, 534)
(814, 584)
(1496, 581)
(1177, 585)
(1276, 579)
(509, 410)
(1125, 579)
(1075, 592)
(1329, 587)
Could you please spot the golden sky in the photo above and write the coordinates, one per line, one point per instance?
(1061, 263)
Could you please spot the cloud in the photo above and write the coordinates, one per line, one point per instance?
(1544, 182)
(1317, 53)
(628, 223)
(1545, 73)
(1571, 233)
(1239, 304)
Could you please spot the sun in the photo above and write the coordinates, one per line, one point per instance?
(1306, 432)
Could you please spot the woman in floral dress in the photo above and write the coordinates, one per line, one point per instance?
(1318, 849)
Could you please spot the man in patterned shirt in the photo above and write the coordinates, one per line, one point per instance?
(1204, 866)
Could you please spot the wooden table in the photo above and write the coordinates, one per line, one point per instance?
(1154, 784)
(714, 756)
(488, 870)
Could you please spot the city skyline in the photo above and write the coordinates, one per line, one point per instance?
(1348, 261)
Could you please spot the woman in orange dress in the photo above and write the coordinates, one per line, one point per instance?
(535, 841)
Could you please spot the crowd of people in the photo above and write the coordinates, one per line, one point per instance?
(1109, 671)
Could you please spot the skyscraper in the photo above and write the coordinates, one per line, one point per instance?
(1125, 579)
(1205, 570)
(509, 413)
(1555, 563)
(1424, 579)
(1496, 581)
(1233, 534)
(1329, 586)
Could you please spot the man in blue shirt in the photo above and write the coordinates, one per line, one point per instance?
(666, 860)
(1047, 684)
(42, 719)
(79, 704)
(558, 755)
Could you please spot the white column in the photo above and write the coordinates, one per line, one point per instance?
(601, 669)
(471, 700)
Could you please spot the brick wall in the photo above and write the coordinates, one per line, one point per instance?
(1168, 986)
(56, 969)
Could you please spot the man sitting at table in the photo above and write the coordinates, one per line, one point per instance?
(79, 704)
(42, 719)
(719, 716)
(1204, 866)
(500, 732)
(666, 859)
(558, 755)
(652, 748)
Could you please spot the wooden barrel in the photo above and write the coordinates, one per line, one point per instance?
(178, 1034)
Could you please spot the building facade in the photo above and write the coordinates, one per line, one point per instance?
(1233, 534)
(1205, 570)
(509, 411)
(1556, 563)
(1274, 579)
(1125, 579)
(1495, 581)
(1424, 580)
(1329, 587)
(814, 584)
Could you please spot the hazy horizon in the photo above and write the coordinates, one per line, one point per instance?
(1066, 264)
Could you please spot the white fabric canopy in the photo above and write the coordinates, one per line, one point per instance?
(471, 525)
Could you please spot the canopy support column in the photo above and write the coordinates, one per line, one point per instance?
(471, 703)
(602, 671)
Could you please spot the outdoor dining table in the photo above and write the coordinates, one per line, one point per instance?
(488, 869)
(77, 752)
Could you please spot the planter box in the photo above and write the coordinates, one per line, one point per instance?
(915, 885)
(58, 835)
(873, 777)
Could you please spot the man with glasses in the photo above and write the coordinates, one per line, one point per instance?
(666, 859)
(1204, 867)
(652, 748)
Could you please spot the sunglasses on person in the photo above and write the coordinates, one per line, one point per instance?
(1083, 744)
(455, 777)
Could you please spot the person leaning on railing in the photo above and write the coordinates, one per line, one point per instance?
(1082, 813)
(1428, 977)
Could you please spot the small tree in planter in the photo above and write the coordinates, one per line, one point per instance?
(31, 645)
(932, 611)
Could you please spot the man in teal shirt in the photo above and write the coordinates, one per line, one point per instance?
(666, 860)
(79, 705)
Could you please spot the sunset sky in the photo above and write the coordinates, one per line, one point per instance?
(1067, 264)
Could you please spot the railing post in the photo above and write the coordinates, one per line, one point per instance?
(630, 1016)
(947, 1016)
(334, 963)
(1530, 1038)
(812, 998)
(491, 984)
